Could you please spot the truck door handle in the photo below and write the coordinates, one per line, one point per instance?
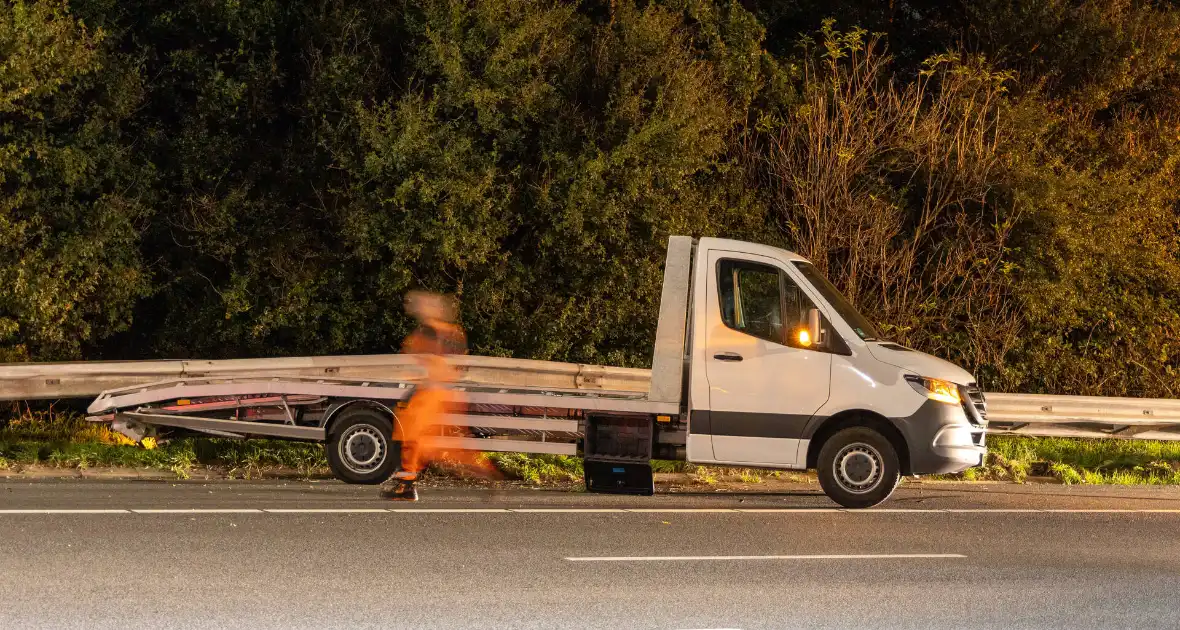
(727, 356)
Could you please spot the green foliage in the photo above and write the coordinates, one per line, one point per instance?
(1076, 461)
(537, 469)
(1066, 474)
(669, 466)
(888, 185)
(705, 475)
(1100, 258)
(66, 440)
(995, 182)
(749, 476)
(536, 167)
(306, 163)
(70, 211)
(1104, 453)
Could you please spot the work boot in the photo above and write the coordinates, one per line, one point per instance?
(400, 491)
(400, 487)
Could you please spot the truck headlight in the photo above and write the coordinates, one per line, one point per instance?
(935, 389)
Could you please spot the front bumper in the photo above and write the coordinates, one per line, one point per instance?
(942, 440)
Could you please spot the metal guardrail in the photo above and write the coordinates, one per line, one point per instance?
(1008, 414)
(50, 381)
(1083, 416)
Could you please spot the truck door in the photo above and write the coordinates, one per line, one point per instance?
(766, 378)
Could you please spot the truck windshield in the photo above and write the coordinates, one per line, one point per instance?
(859, 323)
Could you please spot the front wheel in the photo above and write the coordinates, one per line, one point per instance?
(361, 448)
(858, 467)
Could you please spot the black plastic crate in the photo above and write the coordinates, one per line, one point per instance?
(619, 477)
(619, 437)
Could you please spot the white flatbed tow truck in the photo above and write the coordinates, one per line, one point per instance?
(758, 361)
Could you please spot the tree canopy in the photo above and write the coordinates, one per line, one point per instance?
(994, 182)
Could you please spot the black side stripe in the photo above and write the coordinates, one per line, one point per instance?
(749, 424)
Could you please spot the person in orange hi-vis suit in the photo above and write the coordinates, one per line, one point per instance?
(437, 335)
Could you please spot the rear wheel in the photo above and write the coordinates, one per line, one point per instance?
(361, 448)
(858, 467)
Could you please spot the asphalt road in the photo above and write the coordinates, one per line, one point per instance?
(161, 555)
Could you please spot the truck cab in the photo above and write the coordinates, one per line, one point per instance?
(784, 372)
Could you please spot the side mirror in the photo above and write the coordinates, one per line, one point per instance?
(808, 336)
(813, 326)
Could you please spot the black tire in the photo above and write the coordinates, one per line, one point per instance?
(858, 467)
(361, 448)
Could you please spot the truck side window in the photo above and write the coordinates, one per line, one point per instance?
(751, 299)
(762, 301)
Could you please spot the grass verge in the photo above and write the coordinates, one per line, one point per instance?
(64, 440)
(538, 469)
(1075, 461)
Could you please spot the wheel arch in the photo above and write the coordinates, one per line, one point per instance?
(336, 411)
(859, 418)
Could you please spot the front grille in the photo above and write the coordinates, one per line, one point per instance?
(975, 404)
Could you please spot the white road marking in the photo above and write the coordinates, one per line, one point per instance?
(992, 510)
(869, 556)
(778, 510)
(325, 510)
(679, 510)
(200, 511)
(1112, 511)
(64, 512)
(568, 510)
(451, 510)
(901, 510)
(1075, 511)
(781, 511)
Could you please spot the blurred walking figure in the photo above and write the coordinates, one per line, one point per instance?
(437, 335)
